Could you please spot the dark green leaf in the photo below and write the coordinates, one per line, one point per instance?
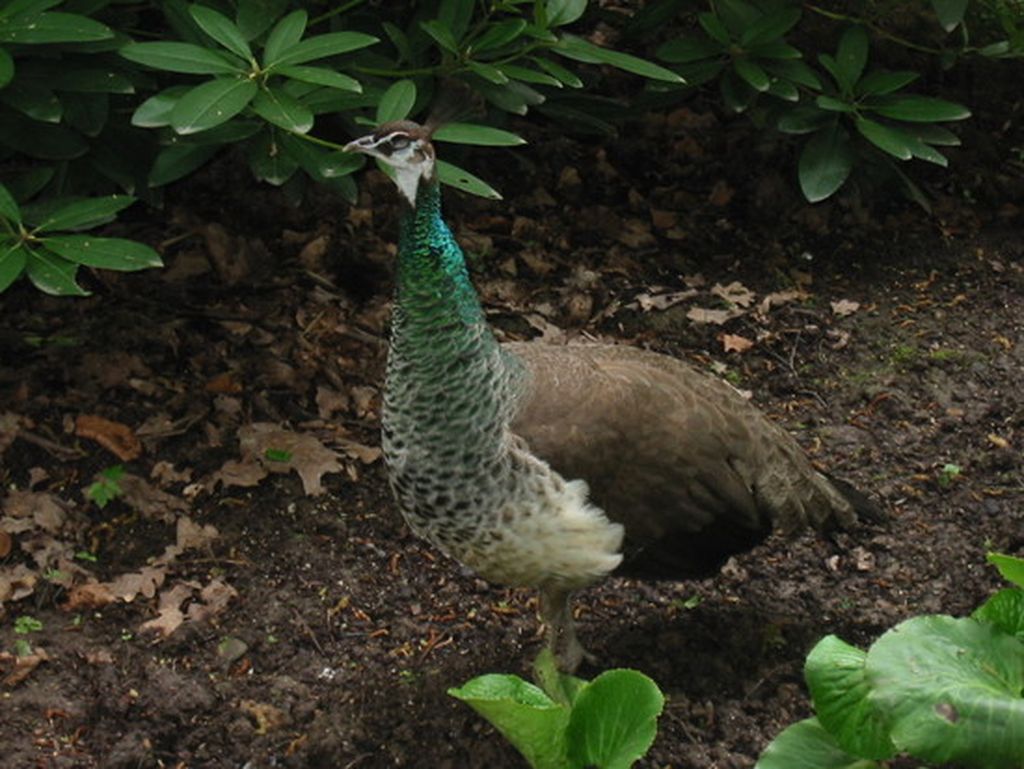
(53, 27)
(796, 71)
(211, 104)
(514, 97)
(277, 107)
(926, 152)
(182, 57)
(8, 206)
(738, 15)
(561, 12)
(487, 72)
(774, 49)
(40, 140)
(577, 48)
(749, 71)
(254, 17)
(6, 68)
(455, 16)
(806, 745)
(322, 76)
(1005, 610)
(933, 134)
(463, 180)
(93, 81)
(829, 63)
(737, 95)
(516, 72)
(467, 133)
(84, 214)
(53, 275)
(852, 55)
(771, 26)
(835, 675)
(950, 12)
(86, 113)
(683, 50)
(557, 70)
(105, 253)
(887, 138)
(178, 161)
(825, 163)
(155, 111)
(921, 109)
(334, 165)
(397, 102)
(834, 105)
(268, 160)
(440, 34)
(222, 29)
(398, 39)
(714, 27)
(783, 89)
(322, 46)
(34, 101)
(13, 257)
(497, 35)
(1011, 568)
(285, 34)
(875, 83)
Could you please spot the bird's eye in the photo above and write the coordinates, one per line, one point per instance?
(399, 142)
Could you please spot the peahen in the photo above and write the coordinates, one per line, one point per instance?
(552, 466)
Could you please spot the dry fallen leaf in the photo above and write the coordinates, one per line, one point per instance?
(329, 401)
(91, 595)
(224, 384)
(662, 301)
(16, 582)
(735, 343)
(169, 615)
(998, 441)
(192, 536)
(5, 544)
(21, 666)
(245, 473)
(149, 501)
(113, 436)
(844, 307)
(267, 717)
(734, 293)
(717, 317)
(777, 298)
(9, 425)
(281, 451)
(43, 509)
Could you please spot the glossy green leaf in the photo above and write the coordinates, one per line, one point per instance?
(155, 112)
(714, 27)
(562, 12)
(52, 274)
(335, 165)
(53, 27)
(825, 163)
(13, 257)
(456, 16)
(806, 745)
(852, 55)
(178, 161)
(752, 73)
(285, 35)
(921, 109)
(487, 72)
(6, 68)
(835, 675)
(8, 206)
(222, 29)
(93, 81)
(397, 101)
(933, 134)
(498, 35)
(524, 714)
(774, 49)
(268, 160)
(1005, 610)
(515, 72)
(577, 48)
(182, 57)
(614, 720)
(1011, 568)
(35, 101)
(950, 13)
(796, 71)
(886, 138)
(785, 90)
(275, 106)
(440, 35)
(40, 140)
(553, 68)
(834, 105)
(463, 180)
(84, 214)
(878, 82)
(682, 50)
(211, 104)
(468, 133)
(736, 93)
(322, 76)
(951, 690)
(105, 253)
(255, 17)
(322, 46)
(923, 151)
(771, 26)
(87, 114)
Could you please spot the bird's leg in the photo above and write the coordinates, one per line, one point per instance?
(556, 613)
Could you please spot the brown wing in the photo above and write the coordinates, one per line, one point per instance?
(690, 468)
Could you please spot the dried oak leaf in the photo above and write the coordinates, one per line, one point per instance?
(33, 509)
(16, 582)
(91, 595)
(281, 451)
(149, 501)
(735, 343)
(245, 473)
(21, 666)
(117, 438)
(215, 598)
(662, 301)
(734, 293)
(268, 718)
(717, 317)
(777, 298)
(844, 307)
(169, 614)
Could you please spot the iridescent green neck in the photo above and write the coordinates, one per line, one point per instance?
(435, 294)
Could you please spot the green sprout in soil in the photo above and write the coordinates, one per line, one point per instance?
(26, 624)
(940, 689)
(106, 488)
(607, 723)
(949, 473)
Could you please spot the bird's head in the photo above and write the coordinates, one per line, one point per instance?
(406, 147)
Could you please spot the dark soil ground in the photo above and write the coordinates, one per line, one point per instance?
(313, 630)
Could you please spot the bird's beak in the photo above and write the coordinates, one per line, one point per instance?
(362, 144)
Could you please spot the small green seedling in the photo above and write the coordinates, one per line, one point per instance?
(608, 723)
(278, 455)
(26, 624)
(106, 488)
(85, 555)
(938, 688)
(949, 473)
